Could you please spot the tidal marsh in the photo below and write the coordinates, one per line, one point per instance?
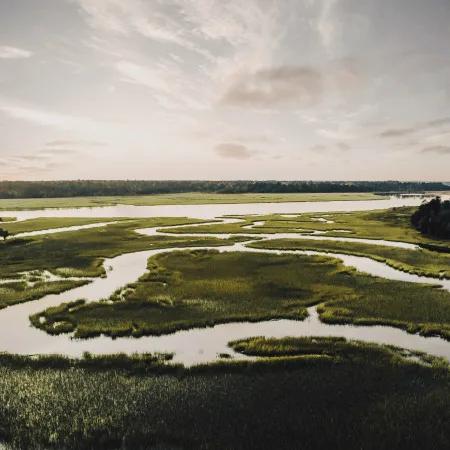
(420, 262)
(82, 251)
(310, 393)
(200, 288)
(390, 224)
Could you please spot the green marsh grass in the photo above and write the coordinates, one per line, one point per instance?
(390, 224)
(420, 262)
(189, 289)
(194, 198)
(81, 253)
(366, 397)
(20, 292)
(48, 223)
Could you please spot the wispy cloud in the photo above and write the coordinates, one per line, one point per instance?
(43, 117)
(58, 143)
(38, 161)
(165, 82)
(7, 52)
(338, 148)
(150, 77)
(233, 150)
(438, 122)
(133, 16)
(343, 147)
(418, 127)
(439, 149)
(296, 87)
(281, 86)
(187, 23)
(397, 132)
(327, 25)
(226, 37)
(40, 117)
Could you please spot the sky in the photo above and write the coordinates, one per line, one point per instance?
(225, 89)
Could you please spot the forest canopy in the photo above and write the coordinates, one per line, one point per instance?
(433, 218)
(81, 188)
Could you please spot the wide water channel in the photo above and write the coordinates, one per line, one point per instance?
(215, 210)
(204, 345)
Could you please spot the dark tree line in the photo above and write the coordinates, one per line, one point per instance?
(48, 189)
(433, 218)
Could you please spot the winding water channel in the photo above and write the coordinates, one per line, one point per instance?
(204, 345)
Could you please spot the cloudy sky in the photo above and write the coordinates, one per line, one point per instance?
(225, 89)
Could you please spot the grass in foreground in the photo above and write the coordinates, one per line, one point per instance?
(366, 397)
(201, 288)
(193, 198)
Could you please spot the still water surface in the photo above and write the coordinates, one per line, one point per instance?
(215, 210)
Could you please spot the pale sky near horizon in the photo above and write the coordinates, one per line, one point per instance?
(217, 89)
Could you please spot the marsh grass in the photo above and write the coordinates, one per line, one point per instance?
(13, 293)
(48, 223)
(337, 348)
(81, 253)
(290, 346)
(371, 398)
(390, 224)
(187, 289)
(419, 262)
(416, 309)
(190, 198)
(197, 289)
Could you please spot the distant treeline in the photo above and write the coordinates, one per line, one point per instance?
(433, 218)
(80, 188)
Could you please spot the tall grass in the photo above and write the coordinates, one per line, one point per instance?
(201, 288)
(371, 400)
(420, 262)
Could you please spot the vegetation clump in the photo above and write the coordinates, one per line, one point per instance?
(4, 234)
(392, 224)
(21, 291)
(419, 262)
(187, 289)
(337, 349)
(433, 218)
(199, 288)
(84, 249)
